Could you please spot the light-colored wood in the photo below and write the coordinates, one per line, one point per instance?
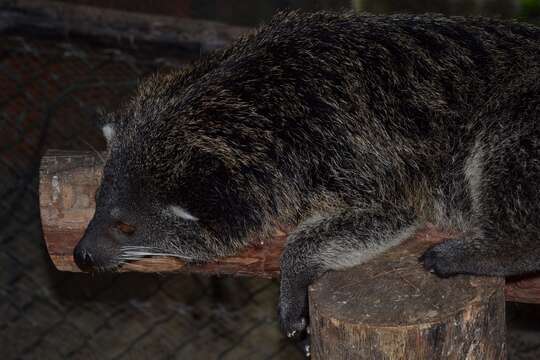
(391, 308)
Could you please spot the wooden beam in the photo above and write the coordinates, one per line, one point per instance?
(68, 182)
(49, 18)
(523, 289)
(391, 308)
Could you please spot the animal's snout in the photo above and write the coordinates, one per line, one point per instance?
(101, 243)
(83, 259)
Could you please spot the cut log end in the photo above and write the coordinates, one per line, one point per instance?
(391, 308)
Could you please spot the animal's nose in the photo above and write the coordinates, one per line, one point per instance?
(83, 259)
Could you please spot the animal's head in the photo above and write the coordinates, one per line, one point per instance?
(176, 181)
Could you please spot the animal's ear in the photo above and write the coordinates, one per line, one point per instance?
(109, 131)
(108, 125)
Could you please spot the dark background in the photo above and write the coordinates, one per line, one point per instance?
(50, 90)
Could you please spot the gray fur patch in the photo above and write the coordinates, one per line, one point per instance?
(342, 257)
(473, 173)
(182, 213)
(115, 212)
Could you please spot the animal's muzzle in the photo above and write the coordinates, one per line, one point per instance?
(83, 259)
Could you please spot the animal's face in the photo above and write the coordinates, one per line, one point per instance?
(189, 173)
(136, 217)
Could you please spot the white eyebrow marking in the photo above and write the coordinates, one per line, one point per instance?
(108, 132)
(180, 212)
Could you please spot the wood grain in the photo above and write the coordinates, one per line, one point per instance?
(524, 289)
(391, 308)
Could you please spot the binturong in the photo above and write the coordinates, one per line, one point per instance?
(355, 130)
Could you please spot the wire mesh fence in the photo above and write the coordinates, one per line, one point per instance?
(49, 95)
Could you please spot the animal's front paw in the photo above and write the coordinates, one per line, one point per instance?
(294, 324)
(444, 259)
(304, 345)
(293, 316)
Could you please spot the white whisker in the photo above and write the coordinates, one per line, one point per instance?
(130, 253)
(137, 247)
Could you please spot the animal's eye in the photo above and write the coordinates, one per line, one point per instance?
(125, 228)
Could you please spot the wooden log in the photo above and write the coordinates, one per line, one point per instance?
(523, 289)
(107, 26)
(391, 308)
(68, 182)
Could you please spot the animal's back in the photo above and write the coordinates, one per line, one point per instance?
(369, 104)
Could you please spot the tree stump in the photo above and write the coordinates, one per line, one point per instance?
(391, 308)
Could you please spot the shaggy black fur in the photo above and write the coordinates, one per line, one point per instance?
(356, 129)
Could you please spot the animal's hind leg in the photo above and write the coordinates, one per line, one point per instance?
(504, 177)
(482, 256)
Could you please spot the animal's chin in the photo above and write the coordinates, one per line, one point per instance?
(115, 267)
(111, 268)
(155, 260)
(135, 261)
